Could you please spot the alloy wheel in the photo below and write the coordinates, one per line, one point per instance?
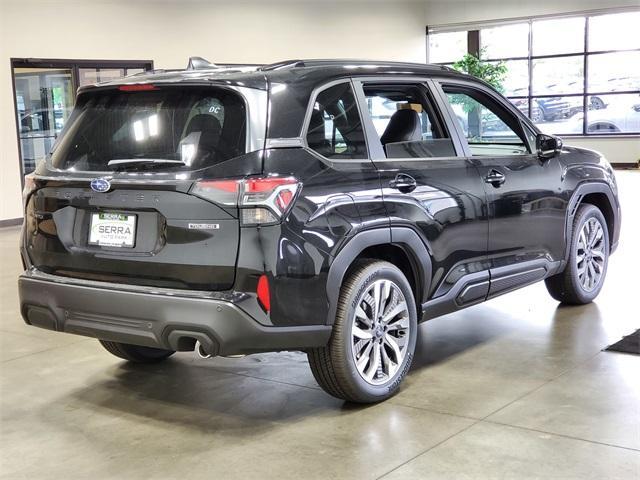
(380, 332)
(590, 254)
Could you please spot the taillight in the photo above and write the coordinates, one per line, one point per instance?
(224, 192)
(262, 200)
(29, 187)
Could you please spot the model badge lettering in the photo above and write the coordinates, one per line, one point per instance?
(204, 226)
(100, 185)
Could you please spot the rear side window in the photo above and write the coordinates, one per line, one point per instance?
(335, 129)
(406, 121)
(178, 128)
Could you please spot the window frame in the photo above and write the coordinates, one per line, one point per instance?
(474, 44)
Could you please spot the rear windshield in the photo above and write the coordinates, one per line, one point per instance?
(164, 128)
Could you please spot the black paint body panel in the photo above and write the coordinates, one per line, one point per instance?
(466, 240)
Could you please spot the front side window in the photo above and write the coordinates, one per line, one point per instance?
(335, 129)
(489, 128)
(165, 127)
(406, 121)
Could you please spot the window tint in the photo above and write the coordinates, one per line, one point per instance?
(335, 128)
(406, 122)
(488, 127)
(197, 127)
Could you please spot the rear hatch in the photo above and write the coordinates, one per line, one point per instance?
(113, 201)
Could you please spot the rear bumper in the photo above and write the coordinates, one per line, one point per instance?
(155, 319)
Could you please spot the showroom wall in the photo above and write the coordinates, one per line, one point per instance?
(169, 32)
(445, 12)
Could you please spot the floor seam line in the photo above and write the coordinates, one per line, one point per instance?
(570, 437)
(43, 351)
(427, 450)
(430, 410)
(544, 384)
(266, 379)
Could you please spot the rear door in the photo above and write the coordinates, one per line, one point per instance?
(526, 200)
(118, 201)
(426, 184)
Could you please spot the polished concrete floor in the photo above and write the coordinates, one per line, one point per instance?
(515, 388)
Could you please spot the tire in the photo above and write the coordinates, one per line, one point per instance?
(136, 353)
(335, 367)
(583, 277)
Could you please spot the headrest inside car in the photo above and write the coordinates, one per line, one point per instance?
(404, 126)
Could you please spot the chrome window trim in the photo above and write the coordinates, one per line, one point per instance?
(288, 142)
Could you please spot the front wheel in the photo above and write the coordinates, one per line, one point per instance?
(374, 336)
(583, 277)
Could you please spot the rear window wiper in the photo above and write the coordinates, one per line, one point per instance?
(144, 163)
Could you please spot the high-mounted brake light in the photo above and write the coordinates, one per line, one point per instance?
(137, 87)
(262, 200)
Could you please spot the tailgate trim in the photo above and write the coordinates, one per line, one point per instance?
(226, 296)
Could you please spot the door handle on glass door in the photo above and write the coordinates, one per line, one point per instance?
(495, 178)
(403, 182)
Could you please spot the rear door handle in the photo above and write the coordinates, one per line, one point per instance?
(495, 178)
(403, 182)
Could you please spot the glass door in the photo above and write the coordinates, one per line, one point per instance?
(45, 92)
(44, 99)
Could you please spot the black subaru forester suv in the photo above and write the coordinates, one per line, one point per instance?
(324, 206)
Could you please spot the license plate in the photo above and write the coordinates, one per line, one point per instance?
(112, 229)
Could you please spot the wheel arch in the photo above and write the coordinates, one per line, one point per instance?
(400, 246)
(600, 195)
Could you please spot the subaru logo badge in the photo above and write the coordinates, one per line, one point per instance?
(100, 185)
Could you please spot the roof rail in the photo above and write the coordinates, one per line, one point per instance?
(342, 62)
(199, 63)
(283, 64)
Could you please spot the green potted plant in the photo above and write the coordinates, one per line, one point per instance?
(493, 73)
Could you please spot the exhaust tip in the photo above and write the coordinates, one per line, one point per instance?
(200, 351)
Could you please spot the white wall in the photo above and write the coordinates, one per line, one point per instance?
(168, 32)
(444, 12)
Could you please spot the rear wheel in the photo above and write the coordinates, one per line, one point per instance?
(374, 336)
(583, 277)
(136, 353)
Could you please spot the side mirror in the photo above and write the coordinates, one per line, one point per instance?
(547, 146)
